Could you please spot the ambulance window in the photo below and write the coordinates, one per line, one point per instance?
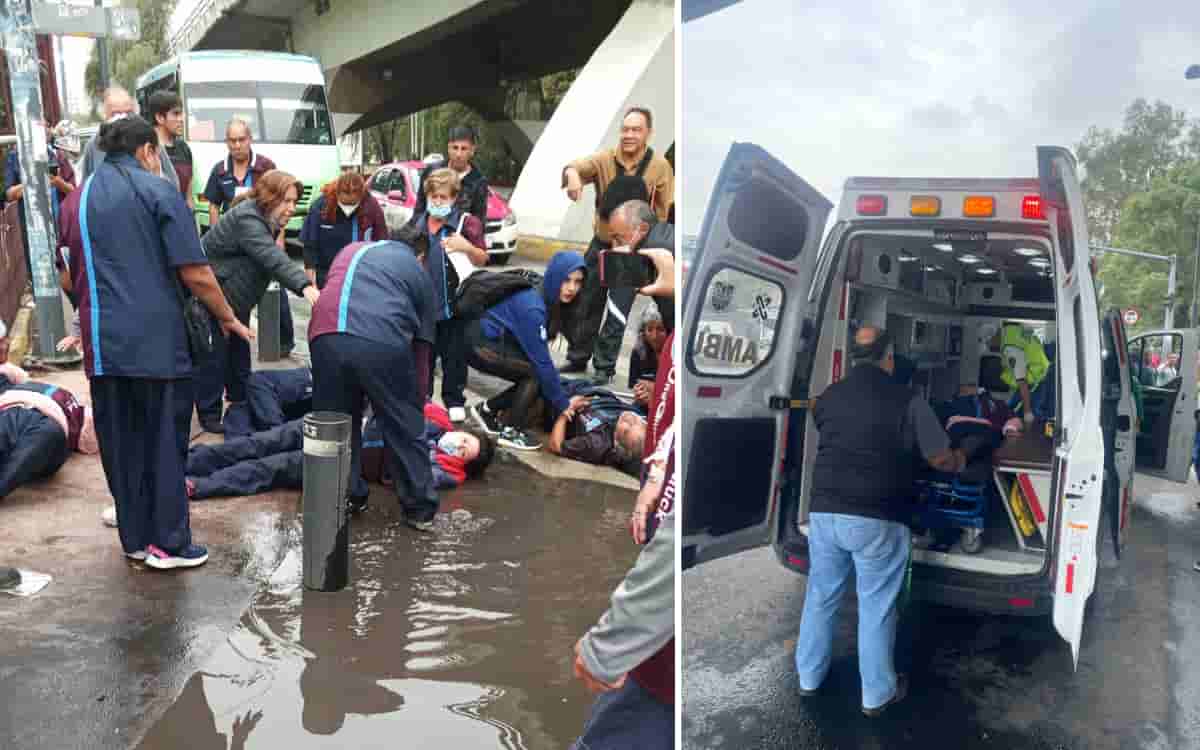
(736, 330)
(1066, 240)
(766, 218)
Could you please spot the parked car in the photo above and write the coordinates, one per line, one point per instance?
(395, 186)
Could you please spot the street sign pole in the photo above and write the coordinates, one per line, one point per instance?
(102, 55)
(20, 20)
(20, 48)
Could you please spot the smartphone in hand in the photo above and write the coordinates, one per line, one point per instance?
(626, 270)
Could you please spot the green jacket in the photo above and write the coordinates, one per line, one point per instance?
(1036, 362)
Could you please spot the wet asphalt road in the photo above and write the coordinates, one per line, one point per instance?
(976, 681)
(464, 635)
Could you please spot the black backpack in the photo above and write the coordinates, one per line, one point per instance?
(483, 289)
(625, 187)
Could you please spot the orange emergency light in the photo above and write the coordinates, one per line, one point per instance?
(925, 205)
(979, 206)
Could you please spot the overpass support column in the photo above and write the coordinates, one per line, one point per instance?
(634, 66)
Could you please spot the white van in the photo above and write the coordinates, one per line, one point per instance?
(940, 263)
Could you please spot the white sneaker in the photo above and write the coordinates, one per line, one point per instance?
(140, 555)
(458, 414)
(109, 516)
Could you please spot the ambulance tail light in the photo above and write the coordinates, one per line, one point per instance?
(979, 206)
(871, 205)
(1031, 207)
(925, 205)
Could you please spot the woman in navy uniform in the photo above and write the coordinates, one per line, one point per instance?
(371, 334)
(245, 258)
(344, 213)
(132, 243)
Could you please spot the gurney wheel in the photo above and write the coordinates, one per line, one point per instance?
(972, 541)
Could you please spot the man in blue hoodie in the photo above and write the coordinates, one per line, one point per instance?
(510, 341)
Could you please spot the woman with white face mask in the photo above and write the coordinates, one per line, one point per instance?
(344, 213)
(245, 258)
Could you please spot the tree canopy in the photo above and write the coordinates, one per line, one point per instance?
(1142, 189)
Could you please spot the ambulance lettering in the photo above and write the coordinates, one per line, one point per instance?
(737, 350)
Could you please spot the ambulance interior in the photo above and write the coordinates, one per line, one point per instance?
(941, 296)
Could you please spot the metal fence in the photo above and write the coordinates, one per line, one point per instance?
(14, 276)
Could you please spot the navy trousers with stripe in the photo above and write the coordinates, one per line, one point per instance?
(143, 426)
(32, 446)
(264, 461)
(346, 369)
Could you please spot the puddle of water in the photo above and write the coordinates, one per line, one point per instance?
(465, 636)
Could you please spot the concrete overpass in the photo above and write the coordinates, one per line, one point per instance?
(385, 60)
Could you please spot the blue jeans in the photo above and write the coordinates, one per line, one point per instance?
(877, 551)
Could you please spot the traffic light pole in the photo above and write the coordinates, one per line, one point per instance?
(1169, 315)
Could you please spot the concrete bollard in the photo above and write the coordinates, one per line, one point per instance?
(268, 324)
(326, 486)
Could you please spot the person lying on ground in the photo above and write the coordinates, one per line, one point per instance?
(40, 424)
(455, 455)
(272, 398)
(274, 459)
(603, 430)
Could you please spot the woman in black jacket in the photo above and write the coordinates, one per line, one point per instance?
(245, 257)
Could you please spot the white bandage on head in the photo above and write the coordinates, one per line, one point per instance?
(1014, 360)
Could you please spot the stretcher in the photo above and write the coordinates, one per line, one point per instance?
(945, 501)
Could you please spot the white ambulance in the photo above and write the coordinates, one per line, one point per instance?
(941, 264)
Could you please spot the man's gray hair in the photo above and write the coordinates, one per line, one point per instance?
(238, 121)
(112, 94)
(637, 212)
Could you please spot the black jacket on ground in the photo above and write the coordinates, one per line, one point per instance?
(864, 463)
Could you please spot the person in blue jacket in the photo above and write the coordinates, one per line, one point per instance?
(510, 342)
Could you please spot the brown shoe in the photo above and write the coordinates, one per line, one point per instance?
(901, 692)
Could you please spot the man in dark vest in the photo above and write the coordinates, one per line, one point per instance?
(872, 432)
(631, 171)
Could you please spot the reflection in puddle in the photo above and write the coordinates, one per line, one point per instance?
(464, 636)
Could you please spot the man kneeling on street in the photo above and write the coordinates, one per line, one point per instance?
(872, 431)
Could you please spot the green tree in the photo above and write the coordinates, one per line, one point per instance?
(128, 60)
(1163, 219)
(1153, 139)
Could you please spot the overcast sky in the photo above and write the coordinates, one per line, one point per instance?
(921, 89)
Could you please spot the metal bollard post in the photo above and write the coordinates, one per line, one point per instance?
(326, 485)
(268, 323)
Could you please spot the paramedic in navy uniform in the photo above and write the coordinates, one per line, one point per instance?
(371, 335)
(872, 430)
(132, 240)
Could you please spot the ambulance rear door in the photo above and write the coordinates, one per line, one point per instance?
(1079, 460)
(746, 322)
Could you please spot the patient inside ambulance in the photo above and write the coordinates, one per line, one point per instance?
(973, 323)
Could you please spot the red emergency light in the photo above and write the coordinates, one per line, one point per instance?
(1031, 207)
(871, 205)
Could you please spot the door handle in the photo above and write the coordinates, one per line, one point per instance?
(1124, 423)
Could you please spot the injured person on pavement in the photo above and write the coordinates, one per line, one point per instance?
(40, 425)
(274, 459)
(604, 430)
